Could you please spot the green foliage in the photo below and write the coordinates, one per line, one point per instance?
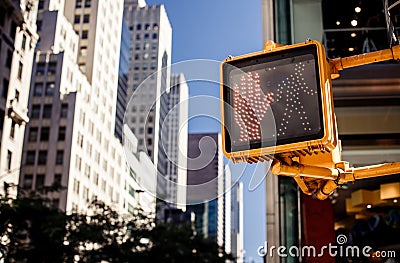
(32, 230)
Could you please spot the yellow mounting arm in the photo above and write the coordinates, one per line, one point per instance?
(322, 180)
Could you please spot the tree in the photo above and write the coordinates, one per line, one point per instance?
(32, 230)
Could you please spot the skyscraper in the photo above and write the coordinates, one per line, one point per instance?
(206, 188)
(237, 221)
(73, 107)
(19, 37)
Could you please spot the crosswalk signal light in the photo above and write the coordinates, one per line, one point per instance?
(276, 101)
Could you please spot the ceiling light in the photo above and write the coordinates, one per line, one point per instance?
(357, 9)
(337, 22)
(354, 22)
(351, 49)
(353, 34)
(395, 201)
(369, 206)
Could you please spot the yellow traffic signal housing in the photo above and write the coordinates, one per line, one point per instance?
(275, 101)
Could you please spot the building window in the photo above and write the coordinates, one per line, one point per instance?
(88, 3)
(154, 46)
(139, 27)
(86, 18)
(39, 181)
(61, 133)
(57, 179)
(35, 114)
(30, 157)
(42, 157)
(33, 133)
(144, 66)
(153, 66)
(52, 68)
(28, 181)
(155, 36)
(16, 95)
(5, 88)
(41, 4)
(136, 66)
(84, 34)
(153, 55)
(147, 27)
(38, 90)
(146, 36)
(141, 130)
(9, 58)
(9, 159)
(44, 134)
(12, 130)
(60, 157)
(138, 37)
(13, 30)
(49, 89)
(150, 130)
(137, 46)
(47, 111)
(149, 141)
(20, 68)
(77, 19)
(64, 110)
(76, 186)
(78, 3)
(23, 43)
(39, 25)
(155, 26)
(40, 68)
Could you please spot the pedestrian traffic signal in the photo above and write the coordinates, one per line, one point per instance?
(278, 100)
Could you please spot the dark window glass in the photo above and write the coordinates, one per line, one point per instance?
(40, 68)
(42, 157)
(5, 88)
(86, 18)
(35, 113)
(84, 34)
(30, 157)
(9, 159)
(61, 133)
(155, 36)
(13, 29)
(33, 133)
(23, 43)
(20, 68)
(39, 181)
(44, 134)
(57, 179)
(9, 58)
(41, 4)
(64, 111)
(39, 25)
(59, 157)
(139, 27)
(52, 68)
(49, 89)
(88, 3)
(12, 130)
(28, 181)
(46, 111)
(77, 19)
(78, 3)
(38, 90)
(146, 36)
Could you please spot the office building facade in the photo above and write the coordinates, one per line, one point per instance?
(19, 37)
(72, 105)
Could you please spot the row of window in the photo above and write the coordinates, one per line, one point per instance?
(146, 56)
(48, 91)
(47, 110)
(145, 27)
(146, 46)
(145, 66)
(41, 68)
(77, 19)
(146, 36)
(40, 179)
(42, 157)
(33, 134)
(79, 3)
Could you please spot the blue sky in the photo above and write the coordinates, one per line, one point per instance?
(213, 30)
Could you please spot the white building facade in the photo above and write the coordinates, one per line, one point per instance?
(72, 106)
(19, 37)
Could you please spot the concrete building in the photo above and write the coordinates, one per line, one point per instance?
(151, 38)
(177, 141)
(237, 234)
(367, 110)
(206, 188)
(17, 44)
(73, 107)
